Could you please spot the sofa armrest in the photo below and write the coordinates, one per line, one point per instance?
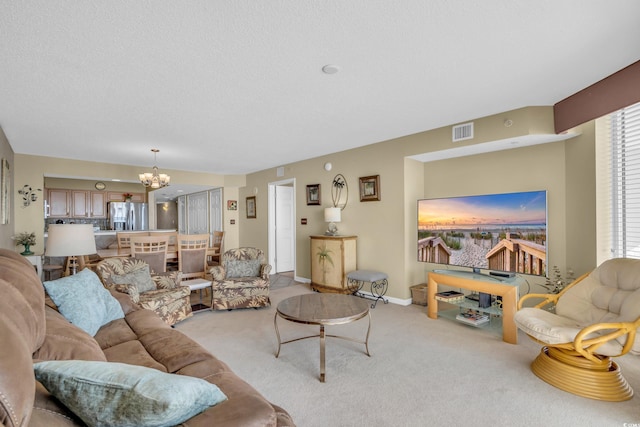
(218, 272)
(167, 280)
(265, 269)
(130, 290)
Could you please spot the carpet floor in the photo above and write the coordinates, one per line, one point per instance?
(422, 372)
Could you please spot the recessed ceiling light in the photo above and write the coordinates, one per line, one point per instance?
(330, 69)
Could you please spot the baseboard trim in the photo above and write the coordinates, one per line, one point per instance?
(398, 301)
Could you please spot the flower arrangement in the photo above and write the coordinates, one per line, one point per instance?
(556, 282)
(127, 196)
(25, 239)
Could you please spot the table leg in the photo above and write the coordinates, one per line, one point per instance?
(322, 342)
(275, 324)
(366, 340)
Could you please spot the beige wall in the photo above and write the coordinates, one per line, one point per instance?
(386, 229)
(8, 230)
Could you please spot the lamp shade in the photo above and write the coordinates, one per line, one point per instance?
(70, 240)
(332, 215)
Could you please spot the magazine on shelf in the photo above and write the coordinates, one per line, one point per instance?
(474, 318)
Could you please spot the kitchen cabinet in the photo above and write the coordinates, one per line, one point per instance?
(88, 204)
(58, 203)
(115, 196)
(75, 204)
(332, 257)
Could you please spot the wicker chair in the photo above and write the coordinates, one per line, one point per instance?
(596, 318)
(167, 297)
(241, 280)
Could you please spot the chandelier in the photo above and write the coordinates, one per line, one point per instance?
(154, 179)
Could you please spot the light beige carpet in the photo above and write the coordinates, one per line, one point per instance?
(422, 372)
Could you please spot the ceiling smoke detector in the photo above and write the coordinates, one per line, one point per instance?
(330, 69)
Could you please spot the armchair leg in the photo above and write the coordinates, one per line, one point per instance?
(577, 375)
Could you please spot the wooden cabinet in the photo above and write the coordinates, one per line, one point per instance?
(58, 203)
(88, 204)
(332, 257)
(114, 196)
(98, 205)
(75, 204)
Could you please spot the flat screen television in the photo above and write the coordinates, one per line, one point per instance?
(504, 233)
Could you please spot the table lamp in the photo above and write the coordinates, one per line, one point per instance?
(332, 215)
(70, 240)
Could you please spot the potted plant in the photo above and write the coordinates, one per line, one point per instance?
(27, 240)
(127, 197)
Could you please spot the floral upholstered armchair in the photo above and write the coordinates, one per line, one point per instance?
(241, 280)
(161, 292)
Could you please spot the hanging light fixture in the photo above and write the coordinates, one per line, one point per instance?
(154, 179)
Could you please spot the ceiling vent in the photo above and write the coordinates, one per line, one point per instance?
(462, 132)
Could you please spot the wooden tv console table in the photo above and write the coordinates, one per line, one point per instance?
(506, 288)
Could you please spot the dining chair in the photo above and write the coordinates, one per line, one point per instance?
(172, 236)
(218, 239)
(152, 250)
(124, 239)
(192, 262)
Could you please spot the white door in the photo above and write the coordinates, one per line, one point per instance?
(284, 232)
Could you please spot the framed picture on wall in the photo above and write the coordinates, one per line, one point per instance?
(232, 205)
(313, 195)
(5, 185)
(251, 207)
(370, 188)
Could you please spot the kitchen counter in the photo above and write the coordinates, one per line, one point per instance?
(106, 239)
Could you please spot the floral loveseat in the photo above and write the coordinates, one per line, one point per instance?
(162, 294)
(241, 280)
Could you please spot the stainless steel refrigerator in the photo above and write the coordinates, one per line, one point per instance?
(124, 216)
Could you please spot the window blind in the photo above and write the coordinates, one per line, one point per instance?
(624, 181)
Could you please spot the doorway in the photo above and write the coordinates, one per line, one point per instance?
(282, 225)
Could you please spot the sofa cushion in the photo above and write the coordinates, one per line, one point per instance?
(243, 268)
(64, 341)
(106, 393)
(22, 331)
(83, 301)
(140, 278)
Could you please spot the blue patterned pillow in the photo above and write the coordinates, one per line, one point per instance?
(243, 268)
(119, 394)
(83, 301)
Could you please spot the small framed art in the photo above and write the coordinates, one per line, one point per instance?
(251, 207)
(313, 195)
(370, 188)
(232, 205)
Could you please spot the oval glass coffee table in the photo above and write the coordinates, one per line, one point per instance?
(323, 309)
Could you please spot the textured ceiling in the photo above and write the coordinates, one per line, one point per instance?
(235, 86)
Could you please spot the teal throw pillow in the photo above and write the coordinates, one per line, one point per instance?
(243, 268)
(83, 301)
(140, 278)
(119, 394)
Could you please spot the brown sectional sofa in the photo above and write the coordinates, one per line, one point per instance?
(32, 330)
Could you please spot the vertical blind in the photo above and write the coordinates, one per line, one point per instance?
(624, 190)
